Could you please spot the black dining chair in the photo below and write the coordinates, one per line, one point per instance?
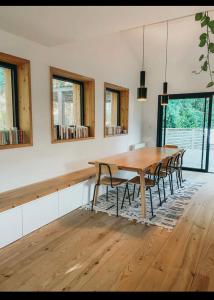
(152, 179)
(103, 169)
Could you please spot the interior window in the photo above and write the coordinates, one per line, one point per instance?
(112, 108)
(68, 102)
(8, 109)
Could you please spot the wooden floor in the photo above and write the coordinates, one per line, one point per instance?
(92, 252)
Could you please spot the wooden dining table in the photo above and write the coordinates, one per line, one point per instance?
(138, 161)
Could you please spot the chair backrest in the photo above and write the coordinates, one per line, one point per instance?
(170, 146)
(105, 169)
(182, 155)
(156, 174)
(168, 162)
(177, 160)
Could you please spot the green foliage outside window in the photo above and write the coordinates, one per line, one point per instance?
(185, 113)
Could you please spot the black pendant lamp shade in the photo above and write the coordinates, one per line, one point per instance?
(165, 96)
(142, 90)
(164, 99)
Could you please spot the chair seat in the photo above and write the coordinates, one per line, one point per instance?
(149, 182)
(163, 172)
(115, 181)
(136, 180)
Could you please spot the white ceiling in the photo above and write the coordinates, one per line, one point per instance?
(54, 25)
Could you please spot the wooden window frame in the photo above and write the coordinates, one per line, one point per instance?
(22, 97)
(14, 91)
(88, 100)
(124, 107)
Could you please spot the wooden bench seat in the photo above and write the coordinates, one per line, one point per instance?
(19, 196)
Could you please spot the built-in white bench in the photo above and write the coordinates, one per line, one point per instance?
(28, 208)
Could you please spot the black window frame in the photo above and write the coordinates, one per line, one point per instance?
(118, 103)
(162, 108)
(82, 102)
(14, 83)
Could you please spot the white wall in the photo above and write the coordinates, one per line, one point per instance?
(108, 59)
(115, 59)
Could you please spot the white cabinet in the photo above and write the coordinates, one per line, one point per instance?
(40, 212)
(70, 198)
(19, 221)
(10, 226)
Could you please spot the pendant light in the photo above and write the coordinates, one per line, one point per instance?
(165, 96)
(142, 90)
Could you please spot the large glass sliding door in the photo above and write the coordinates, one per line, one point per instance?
(185, 122)
(211, 140)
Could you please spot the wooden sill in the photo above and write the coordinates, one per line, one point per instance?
(12, 146)
(72, 140)
(121, 134)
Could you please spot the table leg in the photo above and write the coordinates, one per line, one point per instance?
(142, 190)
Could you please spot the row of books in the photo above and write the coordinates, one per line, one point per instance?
(70, 132)
(113, 130)
(11, 137)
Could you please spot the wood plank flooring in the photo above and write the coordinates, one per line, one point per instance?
(87, 251)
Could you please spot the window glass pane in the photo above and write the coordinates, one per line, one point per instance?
(211, 152)
(67, 106)
(186, 127)
(6, 102)
(111, 103)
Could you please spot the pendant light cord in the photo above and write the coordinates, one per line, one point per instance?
(166, 48)
(143, 49)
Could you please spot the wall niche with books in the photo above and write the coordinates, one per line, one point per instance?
(15, 102)
(72, 106)
(116, 110)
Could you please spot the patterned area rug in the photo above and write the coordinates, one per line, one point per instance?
(166, 216)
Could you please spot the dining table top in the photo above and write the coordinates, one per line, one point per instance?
(140, 159)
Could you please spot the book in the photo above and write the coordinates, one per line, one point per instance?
(70, 132)
(11, 137)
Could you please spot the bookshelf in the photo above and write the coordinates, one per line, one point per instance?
(122, 129)
(21, 136)
(86, 131)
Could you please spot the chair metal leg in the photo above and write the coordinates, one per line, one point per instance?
(138, 193)
(95, 187)
(124, 195)
(164, 193)
(133, 192)
(180, 178)
(172, 183)
(106, 193)
(128, 193)
(150, 193)
(159, 194)
(117, 201)
(183, 180)
(177, 178)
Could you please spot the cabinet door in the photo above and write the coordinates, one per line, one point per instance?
(40, 212)
(70, 198)
(10, 226)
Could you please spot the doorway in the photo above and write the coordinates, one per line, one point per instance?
(188, 122)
